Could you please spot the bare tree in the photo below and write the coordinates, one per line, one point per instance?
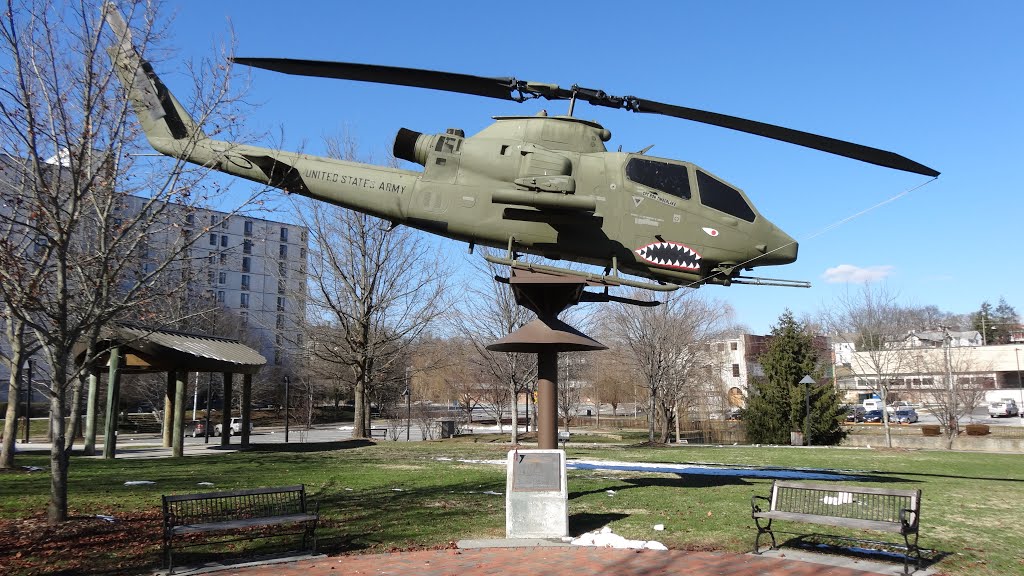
(488, 313)
(82, 208)
(373, 289)
(947, 386)
(669, 346)
(876, 323)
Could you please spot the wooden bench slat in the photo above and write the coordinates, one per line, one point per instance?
(246, 523)
(854, 523)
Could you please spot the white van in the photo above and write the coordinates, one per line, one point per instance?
(872, 404)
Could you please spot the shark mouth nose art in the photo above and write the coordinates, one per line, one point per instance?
(671, 255)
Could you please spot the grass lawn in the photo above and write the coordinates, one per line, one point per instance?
(388, 496)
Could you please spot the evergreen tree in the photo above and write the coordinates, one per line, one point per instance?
(778, 404)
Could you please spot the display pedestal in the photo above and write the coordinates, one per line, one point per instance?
(536, 497)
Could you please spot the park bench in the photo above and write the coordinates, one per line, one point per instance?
(377, 432)
(844, 506)
(238, 511)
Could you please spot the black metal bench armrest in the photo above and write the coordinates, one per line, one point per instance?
(754, 508)
(908, 526)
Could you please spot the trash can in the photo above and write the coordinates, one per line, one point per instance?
(796, 438)
(447, 428)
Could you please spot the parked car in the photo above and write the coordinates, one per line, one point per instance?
(872, 404)
(904, 416)
(236, 427)
(873, 416)
(898, 405)
(1003, 407)
(197, 428)
(855, 413)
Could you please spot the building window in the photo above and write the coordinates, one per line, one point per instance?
(280, 303)
(247, 228)
(246, 264)
(283, 250)
(245, 281)
(302, 253)
(224, 241)
(243, 300)
(213, 219)
(213, 239)
(732, 345)
(220, 296)
(212, 258)
(281, 285)
(190, 218)
(224, 223)
(209, 276)
(222, 278)
(247, 247)
(280, 321)
(223, 258)
(284, 234)
(282, 270)
(735, 370)
(305, 235)
(244, 317)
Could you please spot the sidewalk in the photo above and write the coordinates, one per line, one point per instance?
(566, 561)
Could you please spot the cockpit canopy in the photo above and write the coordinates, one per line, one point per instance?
(674, 178)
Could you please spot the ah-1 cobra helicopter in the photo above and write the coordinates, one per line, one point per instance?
(541, 184)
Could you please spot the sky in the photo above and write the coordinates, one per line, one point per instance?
(938, 82)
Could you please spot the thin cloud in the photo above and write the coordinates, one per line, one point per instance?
(850, 274)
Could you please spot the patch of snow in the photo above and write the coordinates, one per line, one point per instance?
(708, 470)
(105, 518)
(397, 490)
(138, 482)
(605, 538)
(659, 527)
(492, 493)
(610, 492)
(841, 498)
(33, 468)
(204, 483)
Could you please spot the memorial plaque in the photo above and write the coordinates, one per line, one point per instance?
(537, 472)
(536, 497)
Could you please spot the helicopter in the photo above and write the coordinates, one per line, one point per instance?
(535, 184)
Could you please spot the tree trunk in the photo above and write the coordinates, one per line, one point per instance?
(11, 419)
(651, 411)
(515, 412)
(359, 406)
(57, 510)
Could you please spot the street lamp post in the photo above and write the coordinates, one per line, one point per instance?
(206, 425)
(1020, 409)
(287, 381)
(407, 393)
(28, 401)
(807, 381)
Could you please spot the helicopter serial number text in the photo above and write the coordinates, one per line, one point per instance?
(357, 181)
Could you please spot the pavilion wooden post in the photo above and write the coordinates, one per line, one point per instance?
(169, 392)
(225, 416)
(178, 442)
(91, 411)
(246, 408)
(113, 402)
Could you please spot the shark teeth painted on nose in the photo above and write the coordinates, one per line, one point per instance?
(670, 255)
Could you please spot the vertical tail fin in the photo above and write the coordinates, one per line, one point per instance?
(161, 115)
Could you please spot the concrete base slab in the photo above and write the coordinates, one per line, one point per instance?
(856, 563)
(513, 543)
(212, 567)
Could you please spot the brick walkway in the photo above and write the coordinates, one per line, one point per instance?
(554, 561)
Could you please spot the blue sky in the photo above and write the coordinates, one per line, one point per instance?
(938, 82)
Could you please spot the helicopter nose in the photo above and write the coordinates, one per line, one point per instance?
(781, 249)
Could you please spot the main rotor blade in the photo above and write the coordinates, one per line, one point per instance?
(800, 138)
(518, 90)
(501, 88)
